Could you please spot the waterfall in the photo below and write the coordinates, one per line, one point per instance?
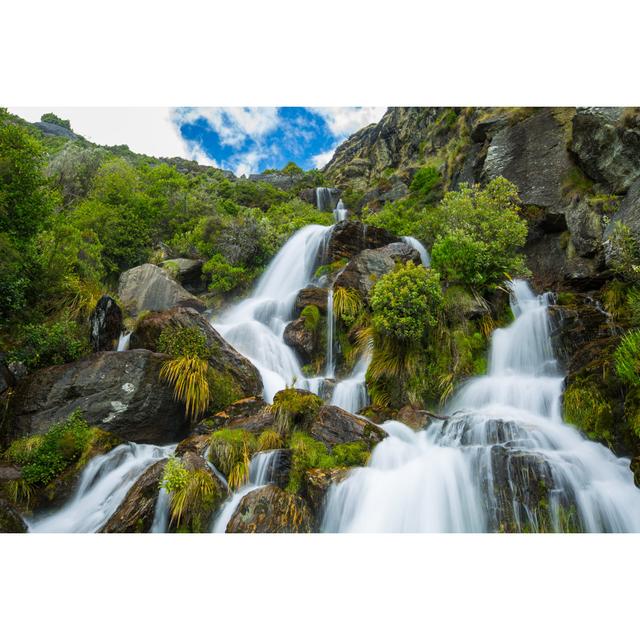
(102, 486)
(261, 470)
(123, 341)
(161, 514)
(504, 460)
(414, 243)
(255, 327)
(340, 213)
(331, 326)
(325, 198)
(351, 394)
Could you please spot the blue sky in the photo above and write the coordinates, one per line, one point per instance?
(242, 139)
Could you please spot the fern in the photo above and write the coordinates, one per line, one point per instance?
(188, 375)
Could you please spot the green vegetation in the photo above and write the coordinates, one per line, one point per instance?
(311, 316)
(627, 358)
(587, 408)
(294, 409)
(54, 119)
(230, 451)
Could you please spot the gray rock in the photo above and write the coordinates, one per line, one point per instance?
(333, 425)
(628, 213)
(350, 237)
(106, 325)
(187, 272)
(282, 181)
(52, 129)
(119, 392)
(150, 288)
(585, 226)
(300, 339)
(10, 519)
(370, 265)
(316, 296)
(607, 151)
(398, 190)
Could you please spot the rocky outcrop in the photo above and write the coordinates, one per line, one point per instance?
(106, 325)
(10, 519)
(333, 426)
(224, 359)
(7, 379)
(315, 486)
(606, 149)
(300, 339)
(276, 179)
(316, 296)
(187, 272)
(119, 392)
(150, 288)
(269, 509)
(250, 414)
(350, 237)
(136, 512)
(370, 265)
(628, 214)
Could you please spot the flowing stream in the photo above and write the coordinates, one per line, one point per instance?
(504, 460)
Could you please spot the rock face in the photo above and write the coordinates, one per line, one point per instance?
(276, 179)
(350, 237)
(628, 213)
(300, 339)
(271, 510)
(251, 414)
(7, 379)
(116, 391)
(316, 484)
(52, 129)
(224, 359)
(607, 151)
(10, 520)
(150, 288)
(136, 512)
(333, 426)
(370, 265)
(187, 272)
(316, 296)
(106, 325)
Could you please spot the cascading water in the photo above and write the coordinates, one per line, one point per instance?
(351, 394)
(503, 461)
(123, 341)
(103, 484)
(414, 243)
(255, 326)
(325, 198)
(261, 470)
(340, 213)
(331, 326)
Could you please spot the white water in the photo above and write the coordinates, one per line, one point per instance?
(255, 326)
(351, 394)
(123, 341)
(161, 514)
(419, 247)
(103, 484)
(331, 325)
(444, 479)
(260, 473)
(324, 199)
(340, 213)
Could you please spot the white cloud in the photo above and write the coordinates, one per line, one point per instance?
(246, 163)
(343, 121)
(234, 124)
(149, 130)
(321, 159)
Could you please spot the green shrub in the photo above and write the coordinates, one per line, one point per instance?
(406, 302)
(230, 447)
(223, 276)
(625, 253)
(586, 408)
(311, 316)
(294, 409)
(424, 182)
(54, 119)
(183, 341)
(45, 457)
(627, 358)
(175, 476)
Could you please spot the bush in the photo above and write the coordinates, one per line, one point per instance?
(223, 276)
(45, 457)
(230, 451)
(627, 358)
(424, 183)
(54, 119)
(311, 316)
(183, 341)
(294, 409)
(406, 302)
(13, 281)
(589, 410)
(175, 476)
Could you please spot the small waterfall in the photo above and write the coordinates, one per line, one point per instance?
(261, 470)
(505, 455)
(351, 394)
(414, 243)
(340, 213)
(255, 326)
(123, 341)
(161, 514)
(325, 198)
(103, 484)
(331, 327)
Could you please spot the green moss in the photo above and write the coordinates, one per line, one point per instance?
(627, 358)
(588, 409)
(311, 316)
(576, 184)
(183, 341)
(566, 298)
(330, 269)
(230, 447)
(223, 390)
(294, 409)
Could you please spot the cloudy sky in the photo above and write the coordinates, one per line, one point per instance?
(243, 139)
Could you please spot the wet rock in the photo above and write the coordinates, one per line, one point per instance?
(350, 237)
(300, 339)
(370, 265)
(10, 519)
(333, 426)
(106, 325)
(119, 392)
(224, 360)
(326, 199)
(316, 296)
(187, 272)
(197, 444)
(413, 417)
(150, 288)
(269, 509)
(607, 150)
(315, 486)
(281, 468)
(136, 512)
(18, 369)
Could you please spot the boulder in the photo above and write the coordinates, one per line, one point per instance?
(586, 228)
(10, 519)
(398, 190)
(225, 360)
(7, 379)
(117, 391)
(150, 288)
(197, 443)
(187, 272)
(300, 339)
(350, 237)
(106, 325)
(333, 425)
(136, 512)
(606, 150)
(250, 414)
(315, 486)
(269, 509)
(628, 213)
(316, 296)
(281, 469)
(413, 417)
(370, 265)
